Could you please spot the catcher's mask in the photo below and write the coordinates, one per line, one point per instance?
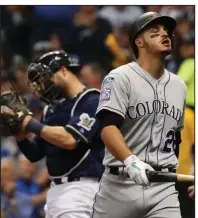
(42, 69)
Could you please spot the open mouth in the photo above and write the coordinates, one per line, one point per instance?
(165, 41)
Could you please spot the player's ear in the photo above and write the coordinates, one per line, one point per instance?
(64, 70)
(139, 42)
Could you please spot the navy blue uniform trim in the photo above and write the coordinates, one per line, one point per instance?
(76, 134)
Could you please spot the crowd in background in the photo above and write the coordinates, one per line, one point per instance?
(98, 37)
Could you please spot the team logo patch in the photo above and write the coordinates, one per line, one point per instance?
(108, 80)
(86, 121)
(105, 94)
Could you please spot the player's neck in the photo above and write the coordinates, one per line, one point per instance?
(153, 65)
(73, 88)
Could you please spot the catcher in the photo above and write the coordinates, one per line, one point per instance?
(68, 134)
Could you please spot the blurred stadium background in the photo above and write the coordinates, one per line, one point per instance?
(97, 36)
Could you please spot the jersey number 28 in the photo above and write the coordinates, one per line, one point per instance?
(170, 141)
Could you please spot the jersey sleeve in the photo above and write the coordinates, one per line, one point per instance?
(114, 95)
(180, 125)
(84, 124)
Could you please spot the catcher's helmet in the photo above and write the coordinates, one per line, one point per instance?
(144, 21)
(41, 70)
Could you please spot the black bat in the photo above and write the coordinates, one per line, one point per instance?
(158, 176)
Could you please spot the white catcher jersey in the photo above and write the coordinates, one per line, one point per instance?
(153, 110)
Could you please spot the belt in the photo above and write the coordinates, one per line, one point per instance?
(120, 170)
(62, 180)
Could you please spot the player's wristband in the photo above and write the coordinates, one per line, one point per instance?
(34, 126)
(129, 160)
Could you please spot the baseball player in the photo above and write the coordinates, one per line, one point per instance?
(68, 135)
(141, 112)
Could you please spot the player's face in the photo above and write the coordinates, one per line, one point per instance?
(37, 84)
(156, 39)
(59, 78)
(44, 84)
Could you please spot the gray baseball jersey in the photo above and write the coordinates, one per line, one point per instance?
(153, 110)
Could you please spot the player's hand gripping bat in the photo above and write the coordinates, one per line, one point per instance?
(158, 176)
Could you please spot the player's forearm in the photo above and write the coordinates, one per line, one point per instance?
(58, 136)
(115, 143)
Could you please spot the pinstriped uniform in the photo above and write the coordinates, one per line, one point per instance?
(153, 110)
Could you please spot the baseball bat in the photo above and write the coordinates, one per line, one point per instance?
(158, 176)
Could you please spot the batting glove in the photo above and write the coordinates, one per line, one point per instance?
(137, 170)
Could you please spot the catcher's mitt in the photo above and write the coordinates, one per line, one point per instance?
(13, 111)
